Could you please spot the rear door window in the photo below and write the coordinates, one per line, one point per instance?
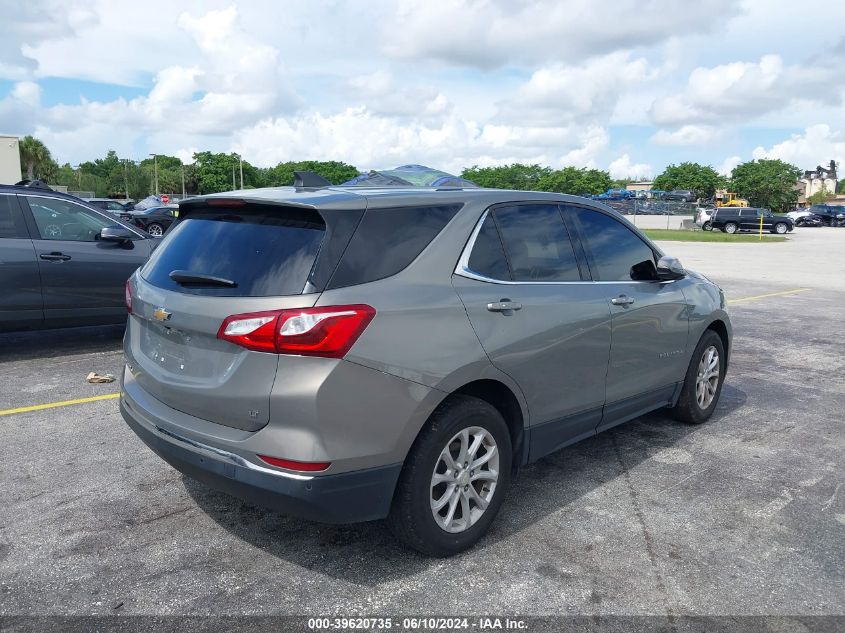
(537, 243)
(615, 252)
(264, 251)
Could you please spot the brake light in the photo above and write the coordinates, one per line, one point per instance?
(225, 202)
(329, 332)
(127, 295)
(305, 467)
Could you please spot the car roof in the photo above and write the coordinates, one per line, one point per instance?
(38, 191)
(375, 197)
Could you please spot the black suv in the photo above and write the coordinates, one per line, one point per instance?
(63, 262)
(733, 219)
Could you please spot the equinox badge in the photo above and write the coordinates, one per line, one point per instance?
(161, 314)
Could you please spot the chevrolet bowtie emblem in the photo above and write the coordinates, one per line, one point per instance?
(161, 314)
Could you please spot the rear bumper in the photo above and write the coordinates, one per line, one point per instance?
(362, 495)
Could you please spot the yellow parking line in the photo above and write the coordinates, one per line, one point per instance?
(771, 294)
(62, 403)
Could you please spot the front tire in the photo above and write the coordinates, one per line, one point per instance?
(454, 479)
(707, 226)
(703, 381)
(780, 228)
(156, 230)
(731, 227)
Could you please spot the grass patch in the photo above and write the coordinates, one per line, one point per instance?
(709, 236)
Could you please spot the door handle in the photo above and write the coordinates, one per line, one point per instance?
(506, 306)
(55, 257)
(622, 300)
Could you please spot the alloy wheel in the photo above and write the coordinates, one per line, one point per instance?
(155, 230)
(464, 479)
(707, 379)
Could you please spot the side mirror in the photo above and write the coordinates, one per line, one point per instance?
(670, 268)
(116, 234)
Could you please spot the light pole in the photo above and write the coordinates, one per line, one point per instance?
(155, 169)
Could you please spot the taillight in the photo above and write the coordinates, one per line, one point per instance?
(127, 295)
(328, 331)
(305, 467)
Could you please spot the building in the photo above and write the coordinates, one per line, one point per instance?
(815, 180)
(644, 185)
(10, 160)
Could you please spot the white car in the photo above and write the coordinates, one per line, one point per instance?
(703, 217)
(798, 213)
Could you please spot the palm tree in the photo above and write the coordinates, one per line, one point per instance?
(35, 157)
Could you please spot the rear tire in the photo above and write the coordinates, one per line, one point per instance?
(731, 227)
(156, 230)
(707, 226)
(698, 401)
(427, 479)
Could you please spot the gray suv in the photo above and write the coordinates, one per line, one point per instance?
(350, 354)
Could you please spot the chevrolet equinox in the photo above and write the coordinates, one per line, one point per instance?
(348, 354)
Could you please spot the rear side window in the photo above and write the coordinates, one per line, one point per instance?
(488, 255)
(8, 225)
(537, 243)
(265, 252)
(617, 253)
(387, 240)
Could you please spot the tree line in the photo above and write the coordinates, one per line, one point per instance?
(765, 183)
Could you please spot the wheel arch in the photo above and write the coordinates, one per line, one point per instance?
(720, 327)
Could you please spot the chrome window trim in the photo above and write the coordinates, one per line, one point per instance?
(102, 215)
(463, 269)
(221, 455)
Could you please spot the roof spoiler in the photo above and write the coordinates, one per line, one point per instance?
(309, 179)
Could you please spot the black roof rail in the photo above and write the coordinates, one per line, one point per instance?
(309, 179)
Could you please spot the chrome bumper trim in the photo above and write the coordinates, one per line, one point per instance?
(221, 455)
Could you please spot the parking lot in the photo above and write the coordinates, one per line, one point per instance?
(741, 516)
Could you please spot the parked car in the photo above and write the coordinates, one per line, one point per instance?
(733, 219)
(810, 220)
(681, 195)
(62, 261)
(703, 216)
(114, 207)
(797, 214)
(830, 214)
(320, 352)
(155, 220)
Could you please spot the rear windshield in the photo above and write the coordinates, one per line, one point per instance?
(264, 252)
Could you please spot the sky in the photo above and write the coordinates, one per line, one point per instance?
(624, 85)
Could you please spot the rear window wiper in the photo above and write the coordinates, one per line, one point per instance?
(186, 277)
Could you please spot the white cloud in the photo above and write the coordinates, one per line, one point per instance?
(558, 93)
(817, 145)
(740, 91)
(687, 135)
(27, 92)
(728, 165)
(492, 33)
(622, 167)
(381, 94)
(371, 141)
